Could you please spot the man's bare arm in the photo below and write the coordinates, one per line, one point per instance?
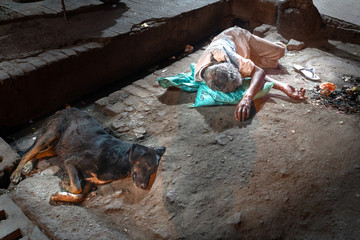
(288, 89)
(242, 110)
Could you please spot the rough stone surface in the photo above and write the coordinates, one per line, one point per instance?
(12, 69)
(234, 219)
(109, 40)
(295, 45)
(294, 186)
(201, 186)
(261, 30)
(36, 62)
(8, 160)
(3, 76)
(15, 224)
(76, 222)
(260, 11)
(298, 20)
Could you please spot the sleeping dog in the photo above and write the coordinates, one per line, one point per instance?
(89, 153)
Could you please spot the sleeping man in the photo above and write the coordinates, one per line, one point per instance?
(236, 53)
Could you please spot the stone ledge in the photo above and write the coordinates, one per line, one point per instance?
(15, 224)
(63, 75)
(8, 160)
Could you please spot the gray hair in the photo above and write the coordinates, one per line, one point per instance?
(222, 76)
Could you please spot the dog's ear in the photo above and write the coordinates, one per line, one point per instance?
(131, 154)
(159, 152)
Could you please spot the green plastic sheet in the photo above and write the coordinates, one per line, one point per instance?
(205, 95)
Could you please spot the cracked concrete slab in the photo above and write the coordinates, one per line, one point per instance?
(274, 176)
(14, 224)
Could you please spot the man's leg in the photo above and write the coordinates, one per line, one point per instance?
(264, 53)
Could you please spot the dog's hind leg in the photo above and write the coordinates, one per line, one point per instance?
(29, 166)
(43, 140)
(49, 152)
(70, 197)
(75, 184)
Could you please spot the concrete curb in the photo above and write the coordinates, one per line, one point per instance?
(15, 224)
(53, 78)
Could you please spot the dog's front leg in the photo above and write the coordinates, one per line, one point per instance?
(75, 184)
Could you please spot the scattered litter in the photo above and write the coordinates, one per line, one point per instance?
(346, 78)
(341, 122)
(144, 25)
(345, 99)
(293, 131)
(189, 49)
(327, 88)
(164, 70)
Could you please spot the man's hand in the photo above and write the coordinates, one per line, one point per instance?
(242, 110)
(294, 93)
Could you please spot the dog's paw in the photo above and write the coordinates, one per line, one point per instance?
(16, 177)
(27, 169)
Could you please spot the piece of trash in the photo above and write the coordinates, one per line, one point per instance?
(145, 25)
(341, 122)
(293, 131)
(355, 89)
(189, 48)
(346, 78)
(327, 88)
(164, 70)
(345, 99)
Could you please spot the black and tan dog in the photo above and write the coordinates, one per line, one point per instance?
(89, 153)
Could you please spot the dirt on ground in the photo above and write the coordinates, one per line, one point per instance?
(290, 172)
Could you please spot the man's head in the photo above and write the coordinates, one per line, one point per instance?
(222, 76)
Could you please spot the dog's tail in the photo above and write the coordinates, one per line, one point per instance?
(66, 197)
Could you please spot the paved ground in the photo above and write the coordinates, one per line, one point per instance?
(290, 172)
(98, 35)
(346, 10)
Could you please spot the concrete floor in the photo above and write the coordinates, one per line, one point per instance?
(27, 63)
(345, 10)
